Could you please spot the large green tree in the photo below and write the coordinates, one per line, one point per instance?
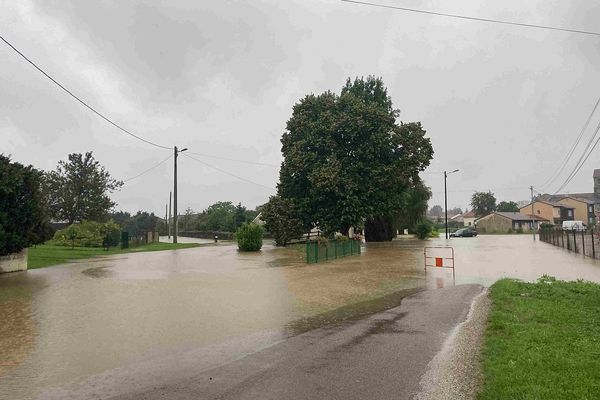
(281, 220)
(23, 220)
(508, 206)
(346, 160)
(483, 203)
(79, 189)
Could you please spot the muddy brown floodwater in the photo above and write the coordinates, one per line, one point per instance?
(102, 327)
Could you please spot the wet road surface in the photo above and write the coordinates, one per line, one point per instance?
(381, 357)
(126, 323)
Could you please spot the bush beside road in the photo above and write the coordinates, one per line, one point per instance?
(542, 341)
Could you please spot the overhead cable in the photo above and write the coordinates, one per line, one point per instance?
(233, 159)
(227, 173)
(581, 163)
(149, 169)
(560, 169)
(495, 21)
(80, 100)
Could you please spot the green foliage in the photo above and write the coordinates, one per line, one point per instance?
(23, 220)
(346, 159)
(88, 234)
(424, 229)
(542, 341)
(249, 237)
(483, 203)
(507, 206)
(282, 220)
(141, 222)
(78, 189)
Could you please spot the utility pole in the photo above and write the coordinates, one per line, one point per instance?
(167, 218)
(169, 226)
(532, 214)
(175, 153)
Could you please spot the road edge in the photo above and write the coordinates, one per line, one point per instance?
(455, 371)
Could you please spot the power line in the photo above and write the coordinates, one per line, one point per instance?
(233, 159)
(149, 169)
(572, 150)
(578, 167)
(228, 173)
(496, 21)
(80, 100)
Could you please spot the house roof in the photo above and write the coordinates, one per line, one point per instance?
(551, 203)
(469, 214)
(516, 216)
(581, 199)
(587, 196)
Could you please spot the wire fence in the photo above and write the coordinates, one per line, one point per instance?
(586, 242)
(317, 251)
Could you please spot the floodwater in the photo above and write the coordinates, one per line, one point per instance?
(102, 327)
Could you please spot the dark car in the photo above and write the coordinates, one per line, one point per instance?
(464, 232)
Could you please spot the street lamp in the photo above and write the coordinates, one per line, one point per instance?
(446, 198)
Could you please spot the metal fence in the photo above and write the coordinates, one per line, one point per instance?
(330, 250)
(586, 242)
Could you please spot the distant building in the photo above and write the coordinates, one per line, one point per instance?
(469, 218)
(552, 212)
(508, 222)
(586, 205)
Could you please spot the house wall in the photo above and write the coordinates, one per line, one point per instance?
(581, 209)
(494, 223)
(469, 221)
(542, 210)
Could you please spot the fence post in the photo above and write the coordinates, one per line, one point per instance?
(574, 242)
(317, 251)
(593, 244)
(562, 237)
(582, 242)
(568, 243)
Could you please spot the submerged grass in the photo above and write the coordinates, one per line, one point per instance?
(46, 255)
(542, 341)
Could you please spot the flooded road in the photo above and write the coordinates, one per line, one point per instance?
(98, 328)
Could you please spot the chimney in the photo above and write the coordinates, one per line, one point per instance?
(597, 182)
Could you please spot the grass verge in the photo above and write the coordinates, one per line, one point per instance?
(45, 255)
(542, 341)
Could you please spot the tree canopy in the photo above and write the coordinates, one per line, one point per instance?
(23, 220)
(483, 203)
(346, 160)
(79, 189)
(508, 206)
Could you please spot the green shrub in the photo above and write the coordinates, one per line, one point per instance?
(423, 229)
(249, 237)
(88, 234)
(519, 230)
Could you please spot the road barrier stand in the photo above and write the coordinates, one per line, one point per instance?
(440, 257)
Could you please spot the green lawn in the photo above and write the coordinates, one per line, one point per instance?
(45, 255)
(542, 341)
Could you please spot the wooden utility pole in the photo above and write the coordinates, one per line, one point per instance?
(169, 225)
(175, 153)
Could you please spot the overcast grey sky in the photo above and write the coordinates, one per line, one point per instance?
(501, 103)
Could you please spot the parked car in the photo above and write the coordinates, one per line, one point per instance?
(464, 232)
(573, 226)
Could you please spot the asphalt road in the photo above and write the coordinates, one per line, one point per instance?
(380, 357)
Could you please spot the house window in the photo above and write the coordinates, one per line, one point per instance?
(539, 212)
(570, 213)
(591, 209)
